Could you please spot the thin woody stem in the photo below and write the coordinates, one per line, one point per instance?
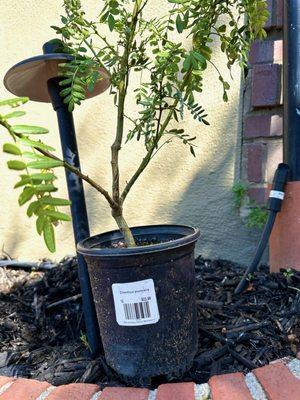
(124, 228)
(116, 146)
(149, 154)
(77, 172)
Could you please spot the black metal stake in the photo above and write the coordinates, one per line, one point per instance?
(78, 209)
(291, 87)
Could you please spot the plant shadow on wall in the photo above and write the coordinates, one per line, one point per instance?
(208, 195)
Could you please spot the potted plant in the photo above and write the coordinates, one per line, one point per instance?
(142, 277)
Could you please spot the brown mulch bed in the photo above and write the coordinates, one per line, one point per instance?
(42, 330)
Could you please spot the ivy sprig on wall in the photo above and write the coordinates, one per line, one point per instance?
(257, 214)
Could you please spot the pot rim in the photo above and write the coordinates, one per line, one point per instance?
(189, 234)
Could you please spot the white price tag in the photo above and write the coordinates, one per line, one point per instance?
(135, 303)
(277, 194)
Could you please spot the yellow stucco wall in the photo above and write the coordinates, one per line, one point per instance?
(176, 188)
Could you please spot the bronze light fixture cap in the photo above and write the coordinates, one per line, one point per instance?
(29, 78)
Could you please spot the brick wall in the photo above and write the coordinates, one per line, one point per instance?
(262, 117)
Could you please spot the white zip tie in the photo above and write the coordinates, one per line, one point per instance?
(5, 387)
(45, 394)
(294, 367)
(152, 395)
(276, 194)
(255, 387)
(96, 396)
(202, 392)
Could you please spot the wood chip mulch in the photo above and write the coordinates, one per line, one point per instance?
(42, 330)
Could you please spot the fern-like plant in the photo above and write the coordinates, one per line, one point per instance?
(122, 38)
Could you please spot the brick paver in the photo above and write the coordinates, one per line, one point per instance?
(230, 386)
(5, 379)
(124, 393)
(176, 391)
(74, 391)
(278, 382)
(24, 389)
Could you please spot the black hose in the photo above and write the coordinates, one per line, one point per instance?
(259, 252)
(274, 206)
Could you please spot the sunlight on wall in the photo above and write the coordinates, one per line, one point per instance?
(176, 188)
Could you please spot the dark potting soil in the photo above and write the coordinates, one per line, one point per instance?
(139, 243)
(42, 330)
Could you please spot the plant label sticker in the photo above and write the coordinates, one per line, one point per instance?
(135, 303)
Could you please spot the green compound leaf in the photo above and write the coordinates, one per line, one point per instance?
(65, 91)
(25, 179)
(65, 82)
(32, 156)
(16, 165)
(35, 144)
(32, 208)
(26, 195)
(54, 201)
(199, 57)
(43, 188)
(15, 102)
(56, 215)
(12, 149)
(14, 114)
(49, 236)
(179, 24)
(178, 1)
(187, 63)
(45, 164)
(111, 22)
(29, 130)
(40, 224)
(47, 176)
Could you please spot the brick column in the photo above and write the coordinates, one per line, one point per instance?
(262, 118)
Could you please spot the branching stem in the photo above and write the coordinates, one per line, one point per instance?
(149, 154)
(116, 146)
(66, 165)
(124, 69)
(77, 172)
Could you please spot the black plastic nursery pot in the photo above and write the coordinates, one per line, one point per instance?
(145, 299)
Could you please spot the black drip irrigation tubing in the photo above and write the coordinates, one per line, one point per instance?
(274, 206)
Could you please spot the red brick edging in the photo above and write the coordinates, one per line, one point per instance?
(262, 114)
(278, 381)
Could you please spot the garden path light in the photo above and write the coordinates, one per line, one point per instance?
(37, 78)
